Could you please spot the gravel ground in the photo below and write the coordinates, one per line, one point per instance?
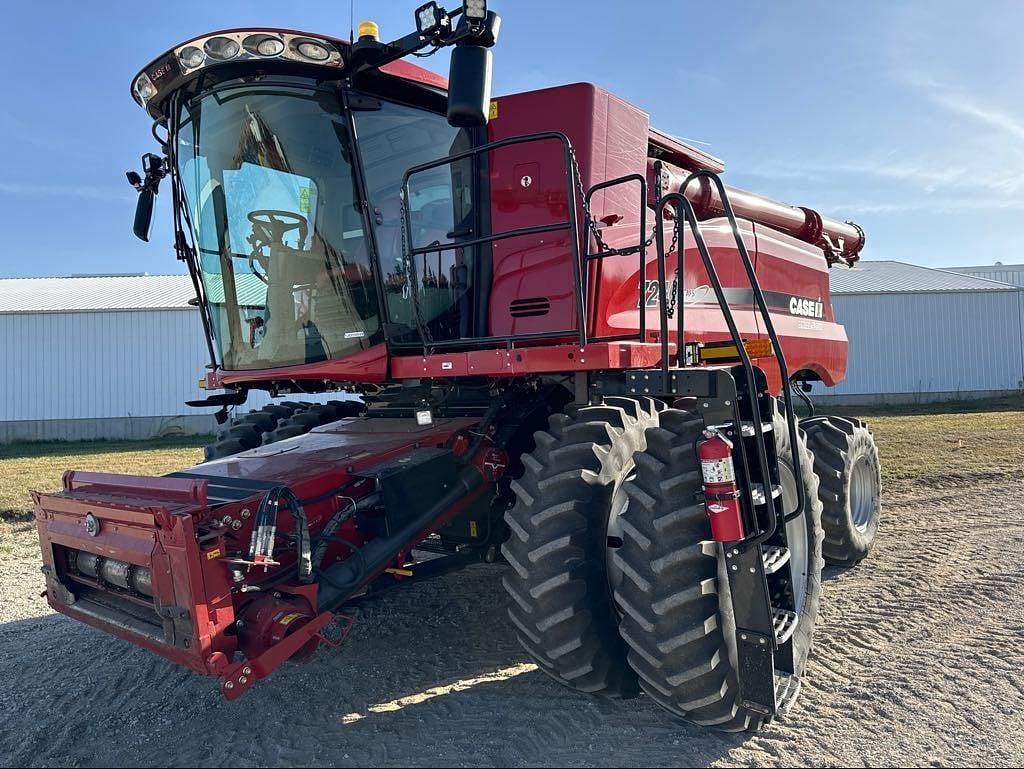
(918, 661)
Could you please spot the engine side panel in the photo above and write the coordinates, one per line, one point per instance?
(794, 278)
(528, 187)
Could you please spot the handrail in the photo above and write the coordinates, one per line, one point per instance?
(686, 208)
(682, 205)
(570, 224)
(762, 306)
(640, 248)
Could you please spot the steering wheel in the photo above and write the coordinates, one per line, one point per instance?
(269, 226)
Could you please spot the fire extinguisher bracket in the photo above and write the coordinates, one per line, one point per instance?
(721, 493)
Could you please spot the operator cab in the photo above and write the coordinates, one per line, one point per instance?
(271, 179)
(287, 163)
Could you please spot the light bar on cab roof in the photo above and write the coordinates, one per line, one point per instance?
(233, 46)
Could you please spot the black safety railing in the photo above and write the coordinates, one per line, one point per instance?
(684, 212)
(685, 215)
(769, 326)
(762, 308)
(570, 225)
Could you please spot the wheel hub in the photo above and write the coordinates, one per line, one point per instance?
(862, 493)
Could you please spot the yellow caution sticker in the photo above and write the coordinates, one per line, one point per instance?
(288, 619)
(211, 554)
(493, 111)
(472, 529)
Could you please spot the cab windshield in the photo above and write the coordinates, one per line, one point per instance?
(285, 261)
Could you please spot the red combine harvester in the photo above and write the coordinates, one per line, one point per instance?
(574, 345)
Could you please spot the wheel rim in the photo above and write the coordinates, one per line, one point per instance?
(862, 494)
(797, 537)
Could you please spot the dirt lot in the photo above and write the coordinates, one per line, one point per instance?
(918, 661)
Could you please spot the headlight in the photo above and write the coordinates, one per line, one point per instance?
(221, 48)
(191, 57)
(263, 45)
(312, 50)
(256, 47)
(144, 88)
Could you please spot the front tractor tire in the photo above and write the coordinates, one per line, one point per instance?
(846, 462)
(568, 498)
(678, 620)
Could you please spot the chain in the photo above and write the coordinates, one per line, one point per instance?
(676, 227)
(602, 246)
(588, 217)
(594, 229)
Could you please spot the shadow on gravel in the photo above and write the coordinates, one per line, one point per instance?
(830, 573)
(431, 675)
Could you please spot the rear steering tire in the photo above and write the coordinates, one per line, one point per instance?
(846, 462)
(567, 499)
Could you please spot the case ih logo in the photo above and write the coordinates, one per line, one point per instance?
(808, 308)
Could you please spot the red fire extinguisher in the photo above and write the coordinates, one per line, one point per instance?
(721, 495)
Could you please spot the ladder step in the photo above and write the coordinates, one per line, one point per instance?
(774, 558)
(757, 492)
(748, 428)
(786, 689)
(785, 624)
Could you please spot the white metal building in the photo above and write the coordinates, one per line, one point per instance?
(1005, 273)
(117, 356)
(919, 334)
(99, 357)
(102, 357)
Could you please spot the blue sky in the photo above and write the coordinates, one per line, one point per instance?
(906, 117)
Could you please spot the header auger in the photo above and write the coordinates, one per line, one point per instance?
(575, 347)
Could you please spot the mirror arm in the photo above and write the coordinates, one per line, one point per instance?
(155, 169)
(369, 54)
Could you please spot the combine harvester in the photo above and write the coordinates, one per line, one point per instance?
(575, 347)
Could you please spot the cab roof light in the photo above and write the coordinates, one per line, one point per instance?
(262, 44)
(191, 57)
(312, 50)
(144, 89)
(429, 19)
(474, 10)
(369, 30)
(221, 48)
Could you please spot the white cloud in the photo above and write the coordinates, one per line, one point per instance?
(980, 155)
(943, 206)
(959, 102)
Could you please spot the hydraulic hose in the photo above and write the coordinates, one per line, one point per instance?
(338, 583)
(264, 532)
(325, 537)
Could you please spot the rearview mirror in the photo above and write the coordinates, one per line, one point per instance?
(469, 86)
(144, 214)
(155, 169)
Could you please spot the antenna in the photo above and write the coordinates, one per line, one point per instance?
(351, 21)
